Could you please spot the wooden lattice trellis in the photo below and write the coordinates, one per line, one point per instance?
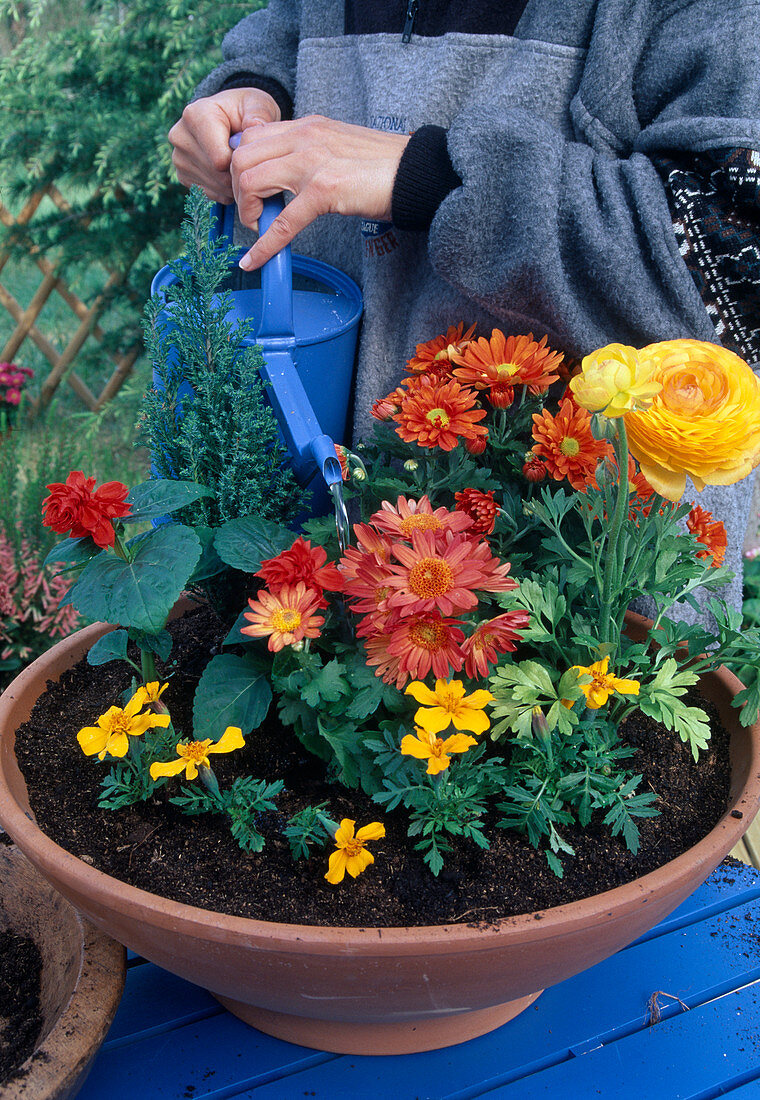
(87, 328)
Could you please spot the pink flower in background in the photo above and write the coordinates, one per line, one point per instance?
(13, 397)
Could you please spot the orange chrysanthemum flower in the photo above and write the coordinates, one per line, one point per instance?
(286, 617)
(499, 635)
(534, 469)
(436, 355)
(439, 415)
(508, 361)
(430, 576)
(480, 506)
(424, 643)
(566, 443)
(711, 533)
(408, 515)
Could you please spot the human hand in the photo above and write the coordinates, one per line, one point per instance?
(330, 167)
(201, 138)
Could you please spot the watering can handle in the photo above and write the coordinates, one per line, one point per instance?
(276, 274)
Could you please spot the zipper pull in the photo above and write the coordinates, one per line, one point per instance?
(411, 15)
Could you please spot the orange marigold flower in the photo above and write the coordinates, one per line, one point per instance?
(508, 361)
(430, 576)
(499, 635)
(421, 644)
(436, 750)
(711, 533)
(439, 415)
(285, 617)
(566, 443)
(408, 515)
(480, 506)
(439, 352)
(302, 562)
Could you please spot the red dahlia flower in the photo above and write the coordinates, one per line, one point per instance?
(76, 508)
(302, 562)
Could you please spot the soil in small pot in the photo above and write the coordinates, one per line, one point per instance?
(195, 860)
(20, 1018)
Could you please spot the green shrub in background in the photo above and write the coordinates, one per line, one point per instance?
(86, 99)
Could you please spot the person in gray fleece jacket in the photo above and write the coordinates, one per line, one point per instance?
(588, 171)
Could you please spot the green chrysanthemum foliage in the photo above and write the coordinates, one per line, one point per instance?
(207, 419)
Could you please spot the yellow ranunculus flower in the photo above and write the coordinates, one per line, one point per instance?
(426, 746)
(705, 421)
(603, 684)
(614, 380)
(192, 755)
(447, 704)
(116, 726)
(351, 855)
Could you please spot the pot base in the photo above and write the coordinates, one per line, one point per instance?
(405, 1037)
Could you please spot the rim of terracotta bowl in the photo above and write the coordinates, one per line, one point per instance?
(608, 905)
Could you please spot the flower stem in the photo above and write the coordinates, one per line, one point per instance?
(148, 666)
(611, 565)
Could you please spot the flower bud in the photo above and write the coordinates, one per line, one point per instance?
(476, 446)
(411, 465)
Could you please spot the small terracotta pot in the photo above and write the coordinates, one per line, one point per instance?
(369, 990)
(81, 982)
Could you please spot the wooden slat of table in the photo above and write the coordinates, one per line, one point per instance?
(170, 1040)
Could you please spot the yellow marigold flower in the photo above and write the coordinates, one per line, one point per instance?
(116, 726)
(603, 684)
(705, 422)
(426, 746)
(614, 380)
(448, 703)
(351, 855)
(192, 755)
(151, 693)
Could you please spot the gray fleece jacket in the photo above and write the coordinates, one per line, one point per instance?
(561, 225)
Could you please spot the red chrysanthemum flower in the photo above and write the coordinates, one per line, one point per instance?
(478, 445)
(481, 507)
(76, 508)
(367, 588)
(508, 361)
(499, 635)
(387, 667)
(436, 355)
(710, 532)
(425, 643)
(286, 617)
(430, 576)
(302, 562)
(434, 415)
(566, 442)
(341, 453)
(534, 469)
(409, 515)
(385, 408)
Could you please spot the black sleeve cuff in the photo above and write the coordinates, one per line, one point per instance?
(424, 178)
(265, 84)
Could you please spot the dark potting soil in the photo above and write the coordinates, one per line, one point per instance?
(195, 860)
(20, 1019)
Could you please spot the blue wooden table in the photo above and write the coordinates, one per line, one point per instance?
(675, 1015)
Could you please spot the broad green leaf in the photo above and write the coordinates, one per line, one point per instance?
(153, 499)
(232, 692)
(160, 644)
(138, 593)
(111, 647)
(72, 552)
(210, 563)
(244, 543)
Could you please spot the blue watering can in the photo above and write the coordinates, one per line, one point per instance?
(305, 316)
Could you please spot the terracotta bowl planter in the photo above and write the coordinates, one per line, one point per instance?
(82, 981)
(369, 990)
